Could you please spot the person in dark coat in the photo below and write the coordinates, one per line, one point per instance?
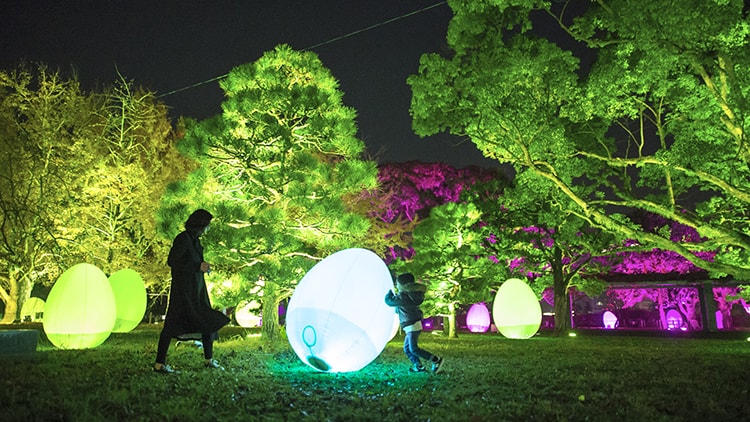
(407, 302)
(189, 314)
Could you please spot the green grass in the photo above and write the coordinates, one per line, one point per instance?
(485, 378)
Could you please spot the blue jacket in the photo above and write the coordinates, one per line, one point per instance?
(407, 303)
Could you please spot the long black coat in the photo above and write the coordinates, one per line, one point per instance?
(190, 310)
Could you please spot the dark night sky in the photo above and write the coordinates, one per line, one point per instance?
(167, 45)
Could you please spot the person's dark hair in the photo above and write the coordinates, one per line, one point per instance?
(199, 219)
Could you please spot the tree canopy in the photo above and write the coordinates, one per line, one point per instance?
(276, 169)
(655, 122)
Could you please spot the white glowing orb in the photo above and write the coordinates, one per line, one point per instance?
(478, 318)
(396, 326)
(32, 309)
(337, 319)
(609, 319)
(246, 314)
(516, 310)
(80, 310)
(130, 297)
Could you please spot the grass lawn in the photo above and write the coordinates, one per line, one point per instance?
(485, 378)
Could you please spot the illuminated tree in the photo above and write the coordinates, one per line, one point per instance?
(135, 158)
(656, 123)
(534, 237)
(450, 257)
(276, 168)
(405, 195)
(45, 128)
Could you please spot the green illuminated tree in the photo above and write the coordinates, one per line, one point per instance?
(538, 240)
(45, 127)
(276, 168)
(451, 258)
(118, 195)
(655, 123)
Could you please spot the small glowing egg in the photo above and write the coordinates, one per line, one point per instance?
(337, 319)
(130, 297)
(32, 309)
(246, 314)
(478, 318)
(609, 320)
(516, 310)
(80, 311)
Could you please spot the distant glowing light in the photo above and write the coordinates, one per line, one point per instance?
(80, 311)
(572, 334)
(247, 314)
(337, 319)
(609, 320)
(478, 318)
(32, 310)
(516, 310)
(675, 320)
(130, 297)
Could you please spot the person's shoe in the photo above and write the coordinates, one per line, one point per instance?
(437, 365)
(417, 368)
(213, 364)
(165, 369)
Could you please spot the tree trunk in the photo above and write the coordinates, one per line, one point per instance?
(270, 330)
(562, 299)
(10, 297)
(452, 333)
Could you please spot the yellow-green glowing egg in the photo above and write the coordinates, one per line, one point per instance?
(337, 319)
(32, 309)
(516, 310)
(130, 299)
(80, 311)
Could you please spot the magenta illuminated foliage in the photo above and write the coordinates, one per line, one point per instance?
(408, 191)
(418, 187)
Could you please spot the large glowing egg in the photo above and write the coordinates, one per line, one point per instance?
(80, 311)
(516, 310)
(130, 297)
(32, 309)
(337, 319)
(478, 318)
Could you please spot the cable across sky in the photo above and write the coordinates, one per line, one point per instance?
(330, 41)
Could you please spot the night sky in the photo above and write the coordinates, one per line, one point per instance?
(167, 45)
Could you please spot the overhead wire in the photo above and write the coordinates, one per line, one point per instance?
(330, 41)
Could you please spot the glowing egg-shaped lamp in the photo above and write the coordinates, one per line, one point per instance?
(130, 299)
(675, 320)
(478, 318)
(246, 314)
(337, 319)
(32, 309)
(396, 326)
(80, 311)
(609, 319)
(516, 310)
